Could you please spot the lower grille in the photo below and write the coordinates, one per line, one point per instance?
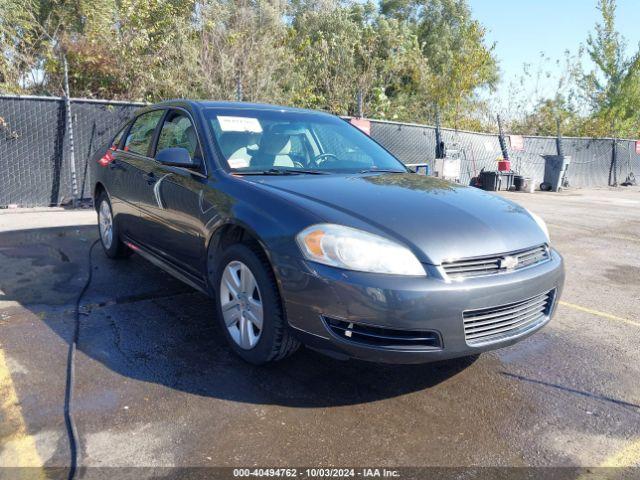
(383, 337)
(475, 267)
(487, 325)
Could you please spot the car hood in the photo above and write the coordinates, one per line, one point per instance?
(438, 220)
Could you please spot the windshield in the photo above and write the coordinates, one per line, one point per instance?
(272, 140)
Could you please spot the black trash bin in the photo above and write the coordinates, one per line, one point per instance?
(490, 180)
(518, 180)
(555, 167)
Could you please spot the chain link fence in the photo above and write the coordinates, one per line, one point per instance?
(591, 158)
(34, 146)
(35, 160)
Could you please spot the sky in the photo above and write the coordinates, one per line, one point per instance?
(522, 29)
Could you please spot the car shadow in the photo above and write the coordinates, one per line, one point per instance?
(145, 325)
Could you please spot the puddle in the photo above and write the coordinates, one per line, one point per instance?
(41, 266)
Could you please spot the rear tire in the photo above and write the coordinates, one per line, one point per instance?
(255, 325)
(108, 230)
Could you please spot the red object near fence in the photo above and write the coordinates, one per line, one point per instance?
(504, 166)
(362, 124)
(638, 147)
(517, 143)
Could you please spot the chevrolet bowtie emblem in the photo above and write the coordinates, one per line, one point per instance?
(509, 262)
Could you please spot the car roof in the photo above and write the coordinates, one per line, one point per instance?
(204, 104)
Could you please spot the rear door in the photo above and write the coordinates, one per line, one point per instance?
(134, 159)
(174, 211)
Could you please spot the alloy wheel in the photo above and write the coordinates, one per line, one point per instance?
(105, 220)
(241, 303)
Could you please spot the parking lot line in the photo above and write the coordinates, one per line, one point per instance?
(19, 448)
(599, 314)
(627, 457)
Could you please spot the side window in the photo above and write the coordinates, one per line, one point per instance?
(141, 132)
(178, 131)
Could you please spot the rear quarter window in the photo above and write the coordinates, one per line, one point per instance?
(117, 140)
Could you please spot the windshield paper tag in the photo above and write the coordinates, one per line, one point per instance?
(239, 124)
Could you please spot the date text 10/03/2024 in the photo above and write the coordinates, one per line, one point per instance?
(317, 472)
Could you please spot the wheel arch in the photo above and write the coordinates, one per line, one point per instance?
(97, 190)
(231, 232)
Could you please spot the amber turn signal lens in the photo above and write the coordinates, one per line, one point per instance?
(312, 242)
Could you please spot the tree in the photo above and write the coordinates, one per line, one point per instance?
(334, 51)
(132, 49)
(244, 41)
(455, 49)
(402, 55)
(612, 86)
(26, 41)
(602, 101)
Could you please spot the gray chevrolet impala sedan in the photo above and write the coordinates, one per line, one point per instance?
(304, 230)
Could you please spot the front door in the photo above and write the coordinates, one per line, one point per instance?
(175, 212)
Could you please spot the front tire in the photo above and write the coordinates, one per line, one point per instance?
(108, 230)
(248, 305)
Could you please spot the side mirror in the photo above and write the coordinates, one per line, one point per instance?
(177, 157)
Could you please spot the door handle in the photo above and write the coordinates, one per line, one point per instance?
(150, 178)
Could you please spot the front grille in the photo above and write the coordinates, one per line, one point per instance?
(475, 267)
(383, 337)
(487, 325)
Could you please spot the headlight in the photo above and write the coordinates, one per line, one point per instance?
(541, 224)
(353, 249)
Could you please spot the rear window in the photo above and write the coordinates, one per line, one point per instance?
(117, 140)
(141, 132)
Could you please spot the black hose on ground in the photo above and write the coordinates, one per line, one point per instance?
(72, 433)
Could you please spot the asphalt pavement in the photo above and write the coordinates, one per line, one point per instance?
(156, 386)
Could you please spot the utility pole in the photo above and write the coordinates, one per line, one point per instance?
(72, 153)
(360, 106)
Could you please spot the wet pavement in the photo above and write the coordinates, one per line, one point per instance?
(156, 385)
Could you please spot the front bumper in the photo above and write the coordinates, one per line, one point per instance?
(314, 294)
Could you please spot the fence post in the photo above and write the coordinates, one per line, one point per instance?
(72, 152)
(440, 146)
(503, 143)
(613, 168)
(360, 106)
(239, 92)
(559, 146)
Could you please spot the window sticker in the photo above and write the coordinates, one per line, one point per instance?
(239, 124)
(238, 162)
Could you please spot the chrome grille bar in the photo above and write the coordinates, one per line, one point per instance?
(474, 267)
(503, 326)
(487, 325)
(513, 313)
